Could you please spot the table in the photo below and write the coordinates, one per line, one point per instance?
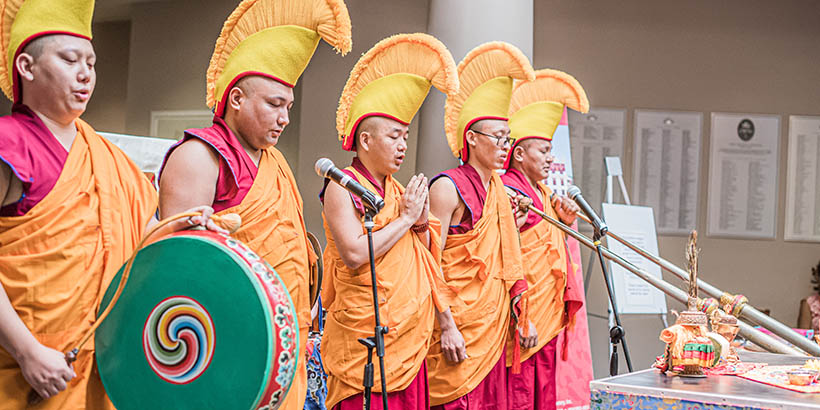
(649, 389)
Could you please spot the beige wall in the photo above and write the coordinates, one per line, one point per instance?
(698, 55)
(108, 107)
(171, 45)
(735, 56)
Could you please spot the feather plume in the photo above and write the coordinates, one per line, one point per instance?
(8, 12)
(420, 54)
(550, 85)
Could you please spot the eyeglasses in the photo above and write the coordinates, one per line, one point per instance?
(499, 141)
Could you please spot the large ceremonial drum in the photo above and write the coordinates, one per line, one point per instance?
(202, 322)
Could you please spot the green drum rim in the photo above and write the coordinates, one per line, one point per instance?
(181, 267)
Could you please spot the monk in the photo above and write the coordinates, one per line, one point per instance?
(544, 248)
(234, 166)
(536, 109)
(454, 193)
(73, 209)
(481, 257)
(379, 101)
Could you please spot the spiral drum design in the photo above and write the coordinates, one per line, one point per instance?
(158, 347)
(178, 339)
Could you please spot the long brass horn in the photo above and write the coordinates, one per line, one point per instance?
(757, 337)
(742, 309)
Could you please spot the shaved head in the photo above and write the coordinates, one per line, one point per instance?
(36, 47)
(377, 125)
(521, 146)
(370, 125)
(489, 125)
(249, 84)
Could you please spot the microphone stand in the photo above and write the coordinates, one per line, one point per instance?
(617, 334)
(377, 340)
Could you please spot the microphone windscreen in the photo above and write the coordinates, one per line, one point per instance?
(573, 191)
(323, 165)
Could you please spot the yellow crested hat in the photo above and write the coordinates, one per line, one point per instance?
(274, 39)
(392, 80)
(486, 79)
(25, 20)
(537, 106)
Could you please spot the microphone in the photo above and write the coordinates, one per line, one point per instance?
(325, 168)
(574, 193)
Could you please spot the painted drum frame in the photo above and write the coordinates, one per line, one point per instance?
(226, 334)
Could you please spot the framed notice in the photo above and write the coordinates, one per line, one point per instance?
(636, 224)
(595, 135)
(743, 172)
(803, 180)
(172, 124)
(666, 167)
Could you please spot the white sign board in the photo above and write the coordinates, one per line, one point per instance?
(667, 166)
(595, 135)
(803, 182)
(636, 224)
(743, 167)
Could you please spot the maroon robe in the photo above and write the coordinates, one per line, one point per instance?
(34, 155)
(236, 169)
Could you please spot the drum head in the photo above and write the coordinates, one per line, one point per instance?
(193, 328)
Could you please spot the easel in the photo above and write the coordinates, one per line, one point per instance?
(614, 170)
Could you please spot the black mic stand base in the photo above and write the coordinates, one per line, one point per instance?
(617, 334)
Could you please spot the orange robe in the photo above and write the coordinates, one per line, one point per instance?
(482, 265)
(57, 260)
(274, 227)
(410, 287)
(544, 248)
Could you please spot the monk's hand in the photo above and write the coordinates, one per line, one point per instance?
(565, 208)
(414, 200)
(203, 220)
(46, 370)
(528, 342)
(425, 213)
(520, 204)
(452, 343)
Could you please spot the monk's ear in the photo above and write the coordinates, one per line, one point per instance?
(518, 153)
(364, 140)
(235, 98)
(24, 64)
(470, 136)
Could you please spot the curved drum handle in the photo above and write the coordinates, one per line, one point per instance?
(316, 271)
